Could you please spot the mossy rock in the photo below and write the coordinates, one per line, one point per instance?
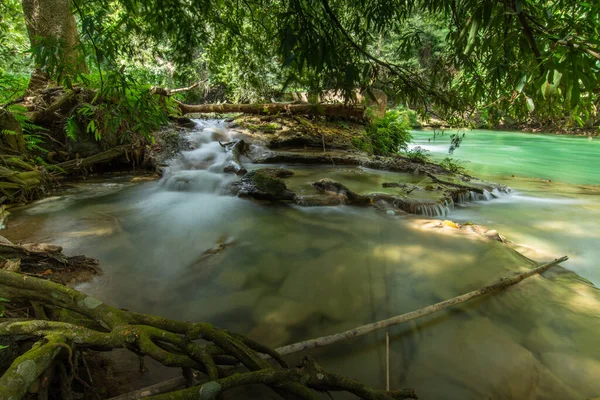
(264, 184)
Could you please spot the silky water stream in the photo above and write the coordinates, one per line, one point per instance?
(289, 273)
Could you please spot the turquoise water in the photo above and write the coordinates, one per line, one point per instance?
(556, 204)
(568, 159)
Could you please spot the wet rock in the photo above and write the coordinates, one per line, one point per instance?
(330, 186)
(271, 334)
(277, 172)
(580, 372)
(232, 279)
(283, 311)
(493, 235)
(262, 185)
(319, 201)
(337, 289)
(542, 339)
(271, 270)
(232, 303)
(407, 187)
(480, 361)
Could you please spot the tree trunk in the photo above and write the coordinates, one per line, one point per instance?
(51, 23)
(11, 135)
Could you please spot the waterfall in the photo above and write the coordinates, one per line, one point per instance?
(201, 168)
(469, 196)
(439, 209)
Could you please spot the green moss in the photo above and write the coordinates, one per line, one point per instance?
(271, 127)
(268, 184)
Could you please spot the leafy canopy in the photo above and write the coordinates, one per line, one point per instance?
(523, 59)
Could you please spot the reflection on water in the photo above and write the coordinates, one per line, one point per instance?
(290, 273)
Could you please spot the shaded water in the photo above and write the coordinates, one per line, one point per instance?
(292, 273)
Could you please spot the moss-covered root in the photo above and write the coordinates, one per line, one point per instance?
(19, 377)
(308, 374)
(172, 343)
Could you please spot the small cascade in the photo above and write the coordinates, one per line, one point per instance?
(487, 195)
(438, 209)
(200, 169)
(469, 196)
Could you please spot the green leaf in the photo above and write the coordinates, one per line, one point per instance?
(530, 104)
(472, 36)
(521, 84)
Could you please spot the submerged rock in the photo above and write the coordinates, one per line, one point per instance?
(498, 367)
(282, 311)
(579, 371)
(264, 184)
(331, 186)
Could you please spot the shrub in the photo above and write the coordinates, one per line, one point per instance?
(453, 165)
(385, 136)
(417, 154)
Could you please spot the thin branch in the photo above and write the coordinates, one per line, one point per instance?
(399, 319)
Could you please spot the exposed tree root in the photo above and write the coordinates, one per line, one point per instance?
(105, 156)
(503, 283)
(173, 343)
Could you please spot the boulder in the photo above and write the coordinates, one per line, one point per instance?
(261, 184)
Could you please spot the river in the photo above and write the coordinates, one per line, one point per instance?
(556, 179)
(292, 273)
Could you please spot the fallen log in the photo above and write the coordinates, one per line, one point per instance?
(503, 283)
(365, 329)
(330, 110)
(105, 156)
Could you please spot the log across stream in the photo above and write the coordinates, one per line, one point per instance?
(290, 273)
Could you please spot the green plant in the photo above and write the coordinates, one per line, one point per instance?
(453, 165)
(32, 133)
(385, 136)
(417, 154)
(271, 127)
